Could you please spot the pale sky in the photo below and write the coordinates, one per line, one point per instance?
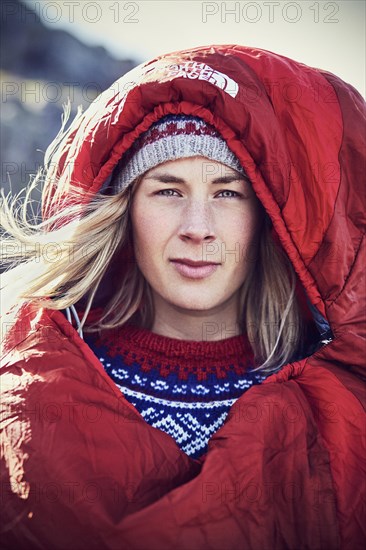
(328, 35)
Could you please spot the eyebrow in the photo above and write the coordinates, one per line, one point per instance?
(167, 178)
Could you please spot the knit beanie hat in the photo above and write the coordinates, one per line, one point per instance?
(170, 138)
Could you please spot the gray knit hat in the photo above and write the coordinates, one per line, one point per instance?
(170, 138)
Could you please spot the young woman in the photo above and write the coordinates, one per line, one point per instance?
(183, 365)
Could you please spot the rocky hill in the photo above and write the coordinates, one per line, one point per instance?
(40, 69)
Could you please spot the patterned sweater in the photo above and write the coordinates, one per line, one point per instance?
(182, 387)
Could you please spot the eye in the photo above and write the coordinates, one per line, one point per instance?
(228, 194)
(167, 193)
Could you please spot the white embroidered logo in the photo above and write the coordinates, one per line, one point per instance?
(160, 71)
(201, 71)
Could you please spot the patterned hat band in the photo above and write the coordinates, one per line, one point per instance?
(171, 138)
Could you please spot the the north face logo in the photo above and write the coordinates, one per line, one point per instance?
(160, 71)
(201, 71)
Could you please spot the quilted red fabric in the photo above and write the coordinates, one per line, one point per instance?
(81, 469)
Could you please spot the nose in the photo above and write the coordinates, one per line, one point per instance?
(197, 222)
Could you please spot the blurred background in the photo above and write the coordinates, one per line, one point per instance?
(55, 50)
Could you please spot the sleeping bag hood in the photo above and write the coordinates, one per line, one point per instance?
(289, 476)
(298, 132)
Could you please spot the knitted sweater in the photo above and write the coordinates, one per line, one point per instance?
(184, 388)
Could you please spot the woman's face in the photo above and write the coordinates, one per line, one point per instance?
(194, 211)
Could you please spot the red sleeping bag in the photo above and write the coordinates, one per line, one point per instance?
(81, 468)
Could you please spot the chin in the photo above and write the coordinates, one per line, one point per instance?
(196, 304)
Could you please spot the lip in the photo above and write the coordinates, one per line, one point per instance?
(195, 270)
(194, 263)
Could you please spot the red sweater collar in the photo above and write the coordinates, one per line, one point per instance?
(153, 350)
(158, 345)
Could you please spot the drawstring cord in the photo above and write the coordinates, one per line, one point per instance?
(76, 317)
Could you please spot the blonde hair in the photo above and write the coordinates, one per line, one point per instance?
(62, 260)
(269, 305)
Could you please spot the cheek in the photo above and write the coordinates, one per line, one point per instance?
(150, 231)
(243, 230)
(142, 235)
